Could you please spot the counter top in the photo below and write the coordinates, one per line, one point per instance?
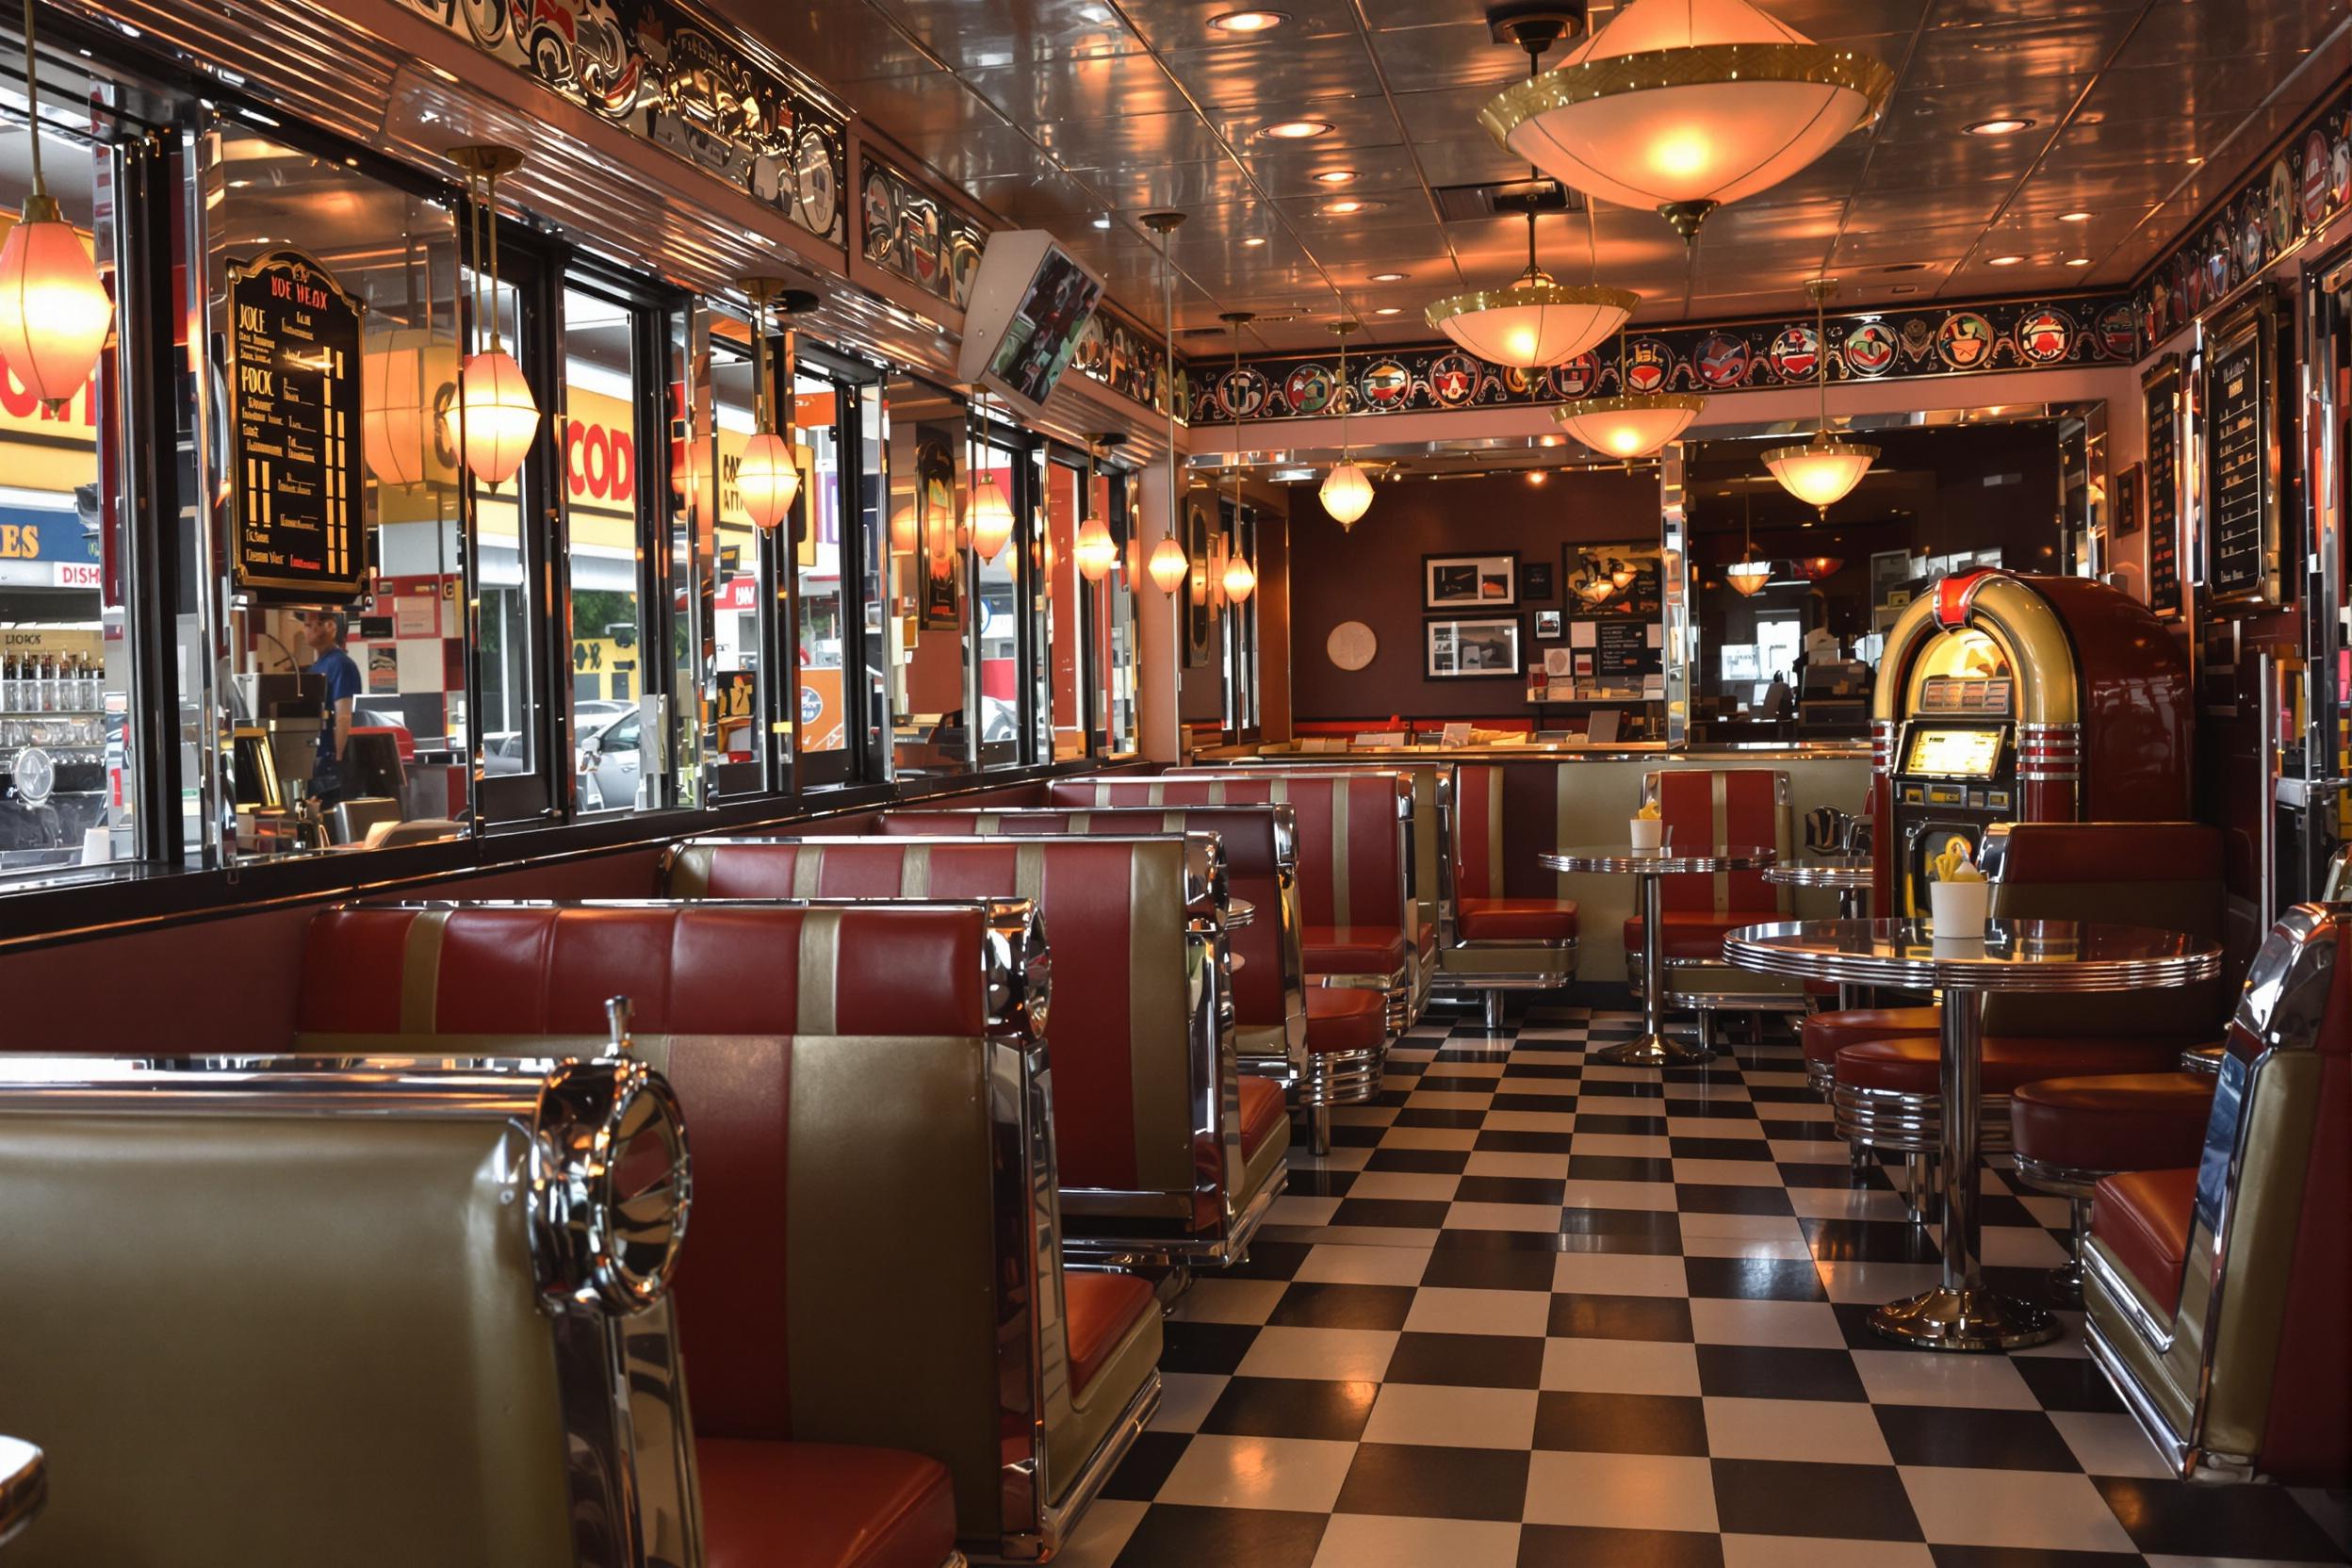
(1631, 751)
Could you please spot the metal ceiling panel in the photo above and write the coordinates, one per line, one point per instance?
(1235, 78)
(1418, 59)
(976, 34)
(1101, 87)
(2006, 55)
(1080, 146)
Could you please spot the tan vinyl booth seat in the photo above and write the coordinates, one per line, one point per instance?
(1157, 1162)
(378, 1311)
(874, 1299)
(2214, 1294)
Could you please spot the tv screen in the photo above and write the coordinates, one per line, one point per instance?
(1029, 305)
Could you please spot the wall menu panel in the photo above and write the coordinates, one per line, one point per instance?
(294, 437)
(2241, 533)
(2161, 394)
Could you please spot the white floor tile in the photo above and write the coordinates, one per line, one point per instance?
(1185, 1400)
(1101, 1535)
(1334, 1355)
(1621, 1366)
(1502, 1216)
(1619, 1274)
(1388, 1540)
(1802, 1324)
(1442, 1309)
(1654, 1197)
(1815, 1431)
(1426, 1413)
(1921, 1378)
(1797, 1551)
(1626, 1492)
(1359, 1265)
(1414, 1185)
(2110, 1443)
(2011, 1508)
(1296, 1474)
(1498, 1162)
(1758, 1172)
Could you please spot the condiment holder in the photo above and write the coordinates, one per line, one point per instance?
(1647, 830)
(1959, 899)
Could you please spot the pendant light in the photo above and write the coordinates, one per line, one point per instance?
(1238, 578)
(1750, 572)
(55, 312)
(991, 514)
(1632, 424)
(767, 476)
(1825, 470)
(1535, 321)
(1169, 566)
(1096, 552)
(1682, 106)
(496, 419)
(1346, 493)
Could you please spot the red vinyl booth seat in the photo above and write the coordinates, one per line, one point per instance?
(1695, 933)
(2124, 1121)
(1913, 1063)
(1104, 1309)
(1343, 1018)
(1352, 949)
(1516, 919)
(823, 1505)
(2142, 1217)
(1263, 1113)
(1720, 808)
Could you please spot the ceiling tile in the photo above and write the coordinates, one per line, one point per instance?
(1416, 59)
(1307, 69)
(976, 34)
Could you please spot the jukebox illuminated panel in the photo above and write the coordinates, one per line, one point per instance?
(2009, 698)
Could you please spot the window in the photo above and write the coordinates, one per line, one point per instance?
(824, 632)
(1065, 602)
(1113, 638)
(740, 733)
(998, 516)
(923, 622)
(604, 525)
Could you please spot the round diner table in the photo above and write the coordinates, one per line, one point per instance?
(1853, 876)
(2025, 955)
(1652, 1048)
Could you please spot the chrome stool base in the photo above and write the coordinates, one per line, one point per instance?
(1652, 1051)
(1949, 1318)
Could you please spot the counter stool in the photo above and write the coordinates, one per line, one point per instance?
(2068, 1134)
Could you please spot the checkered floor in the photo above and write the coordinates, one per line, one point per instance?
(1535, 1312)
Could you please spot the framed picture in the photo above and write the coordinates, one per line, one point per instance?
(1614, 579)
(1485, 647)
(1199, 637)
(2126, 509)
(1547, 621)
(1535, 582)
(1470, 581)
(941, 592)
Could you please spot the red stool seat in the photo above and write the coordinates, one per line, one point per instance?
(1352, 949)
(1102, 1308)
(2142, 1217)
(1263, 1110)
(1515, 920)
(823, 1504)
(1345, 1018)
(1827, 1034)
(1913, 1063)
(1698, 933)
(2127, 1122)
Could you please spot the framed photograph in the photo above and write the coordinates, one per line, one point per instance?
(1625, 578)
(1535, 582)
(1470, 581)
(1547, 621)
(940, 589)
(1485, 647)
(1200, 631)
(2126, 509)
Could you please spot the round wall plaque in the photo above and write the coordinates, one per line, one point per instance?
(1351, 645)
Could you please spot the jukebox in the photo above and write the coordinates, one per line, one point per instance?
(2009, 698)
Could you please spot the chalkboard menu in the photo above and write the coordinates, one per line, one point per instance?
(2160, 392)
(2241, 539)
(1622, 651)
(294, 416)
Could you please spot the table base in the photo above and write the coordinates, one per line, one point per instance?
(1651, 1051)
(1968, 1318)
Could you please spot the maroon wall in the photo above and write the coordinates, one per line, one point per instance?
(1373, 575)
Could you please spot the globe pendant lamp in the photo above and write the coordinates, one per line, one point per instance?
(1168, 566)
(395, 417)
(1682, 106)
(495, 417)
(1241, 578)
(54, 312)
(1825, 470)
(1536, 322)
(767, 476)
(1095, 551)
(1632, 424)
(1750, 572)
(1346, 493)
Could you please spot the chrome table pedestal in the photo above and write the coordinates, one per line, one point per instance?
(1652, 1048)
(1960, 1313)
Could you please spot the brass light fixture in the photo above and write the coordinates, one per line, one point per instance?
(1632, 424)
(1825, 470)
(1346, 493)
(1750, 572)
(55, 312)
(1682, 106)
(495, 416)
(768, 474)
(1095, 551)
(1238, 578)
(1169, 566)
(991, 514)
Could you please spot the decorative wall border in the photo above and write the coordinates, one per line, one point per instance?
(1768, 355)
(910, 232)
(670, 76)
(1130, 359)
(2296, 194)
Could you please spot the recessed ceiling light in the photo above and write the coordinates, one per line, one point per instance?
(1248, 22)
(1390, 310)
(2074, 218)
(1295, 130)
(1537, 476)
(1348, 206)
(1255, 239)
(1388, 277)
(1334, 176)
(2078, 261)
(2004, 261)
(2006, 125)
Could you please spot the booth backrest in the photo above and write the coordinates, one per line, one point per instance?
(1433, 790)
(857, 1238)
(2161, 874)
(1720, 809)
(1116, 912)
(1261, 866)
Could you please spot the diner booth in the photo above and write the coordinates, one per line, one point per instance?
(901, 784)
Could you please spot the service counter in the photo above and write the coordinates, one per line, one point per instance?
(1554, 795)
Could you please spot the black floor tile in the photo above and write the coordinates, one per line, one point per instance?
(2179, 1519)
(1349, 1135)
(1420, 1162)
(1146, 1468)
(2028, 1556)
(1172, 1537)
(1755, 1279)
(1621, 1222)
(1403, 1212)
(1314, 1183)
(1621, 1423)
(1291, 1407)
(1710, 1109)
(1620, 1089)
(1974, 1439)
(2068, 1382)
(1543, 1070)
(1616, 1167)
(1509, 1189)
(1656, 1317)
(1480, 1268)
(1434, 1483)
(1777, 1372)
(1617, 1125)
(1500, 1241)
(1576, 1546)
(1506, 1100)
(1852, 1502)
(1810, 1173)
(1438, 1080)
(1498, 1141)
(1467, 1361)
(1270, 1259)
(1708, 1198)
(1449, 1120)
(1213, 1347)
(1752, 1150)
(1317, 1305)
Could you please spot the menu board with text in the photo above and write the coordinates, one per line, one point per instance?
(2161, 394)
(294, 429)
(2241, 535)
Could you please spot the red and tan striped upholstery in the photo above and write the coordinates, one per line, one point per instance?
(861, 1246)
(1719, 808)
(1509, 930)
(1144, 1098)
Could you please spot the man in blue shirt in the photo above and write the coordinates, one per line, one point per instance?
(322, 632)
